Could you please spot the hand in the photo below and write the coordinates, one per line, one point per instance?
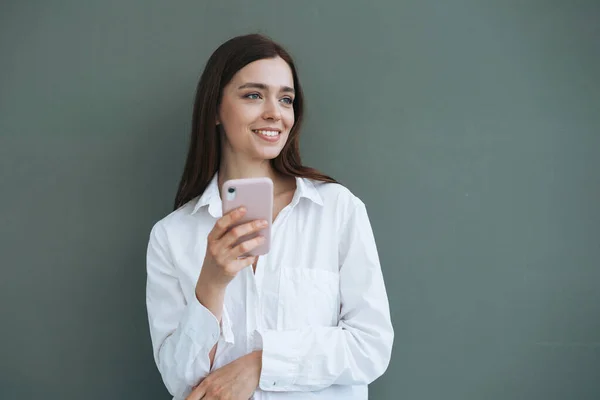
(223, 261)
(235, 381)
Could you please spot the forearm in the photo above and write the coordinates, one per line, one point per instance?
(213, 300)
(183, 354)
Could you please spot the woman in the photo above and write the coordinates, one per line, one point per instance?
(308, 320)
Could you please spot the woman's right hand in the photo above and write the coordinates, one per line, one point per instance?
(223, 260)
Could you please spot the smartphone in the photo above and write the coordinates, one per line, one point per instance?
(256, 194)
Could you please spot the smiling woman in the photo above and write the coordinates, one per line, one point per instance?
(258, 104)
(257, 70)
(311, 315)
(272, 134)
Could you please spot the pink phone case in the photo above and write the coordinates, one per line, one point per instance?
(256, 194)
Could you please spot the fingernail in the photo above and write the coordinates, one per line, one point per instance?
(263, 223)
(242, 209)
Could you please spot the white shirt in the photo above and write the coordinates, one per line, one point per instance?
(316, 306)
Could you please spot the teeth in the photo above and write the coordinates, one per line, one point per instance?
(267, 133)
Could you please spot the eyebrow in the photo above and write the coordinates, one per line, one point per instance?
(262, 86)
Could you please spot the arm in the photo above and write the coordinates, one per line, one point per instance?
(214, 301)
(355, 352)
(184, 335)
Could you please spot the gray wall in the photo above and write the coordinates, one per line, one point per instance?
(471, 129)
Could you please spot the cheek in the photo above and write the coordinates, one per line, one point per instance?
(234, 120)
(230, 118)
(290, 119)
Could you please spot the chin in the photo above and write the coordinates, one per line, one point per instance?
(270, 155)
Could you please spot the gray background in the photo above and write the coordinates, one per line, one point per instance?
(471, 129)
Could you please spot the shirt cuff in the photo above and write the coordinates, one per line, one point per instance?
(226, 331)
(200, 325)
(279, 368)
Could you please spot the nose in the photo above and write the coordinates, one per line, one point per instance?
(271, 110)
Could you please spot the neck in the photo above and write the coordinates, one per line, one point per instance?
(238, 170)
(235, 168)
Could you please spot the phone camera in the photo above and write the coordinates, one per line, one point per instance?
(231, 190)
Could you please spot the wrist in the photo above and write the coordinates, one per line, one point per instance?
(256, 358)
(204, 290)
(212, 298)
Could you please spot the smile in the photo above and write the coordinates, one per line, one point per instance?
(267, 135)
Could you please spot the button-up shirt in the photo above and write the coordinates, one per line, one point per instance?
(316, 305)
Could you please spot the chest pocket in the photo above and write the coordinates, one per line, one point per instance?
(307, 297)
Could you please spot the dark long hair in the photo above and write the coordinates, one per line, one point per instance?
(204, 154)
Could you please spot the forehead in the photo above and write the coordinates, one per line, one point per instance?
(271, 71)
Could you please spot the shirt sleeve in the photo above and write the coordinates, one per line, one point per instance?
(356, 351)
(182, 333)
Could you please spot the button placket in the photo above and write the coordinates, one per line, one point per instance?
(251, 305)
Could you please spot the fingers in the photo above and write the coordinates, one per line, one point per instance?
(243, 262)
(242, 230)
(247, 246)
(223, 247)
(223, 224)
(197, 393)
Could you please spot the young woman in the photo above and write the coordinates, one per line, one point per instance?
(310, 319)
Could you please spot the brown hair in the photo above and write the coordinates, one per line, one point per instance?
(204, 154)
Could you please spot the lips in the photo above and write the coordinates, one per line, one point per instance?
(268, 134)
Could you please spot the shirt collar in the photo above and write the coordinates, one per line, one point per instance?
(212, 197)
(306, 188)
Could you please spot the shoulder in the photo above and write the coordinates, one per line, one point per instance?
(340, 204)
(174, 222)
(337, 195)
(342, 208)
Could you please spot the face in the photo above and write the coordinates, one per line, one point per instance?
(256, 111)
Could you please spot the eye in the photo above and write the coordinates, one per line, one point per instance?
(288, 100)
(252, 96)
